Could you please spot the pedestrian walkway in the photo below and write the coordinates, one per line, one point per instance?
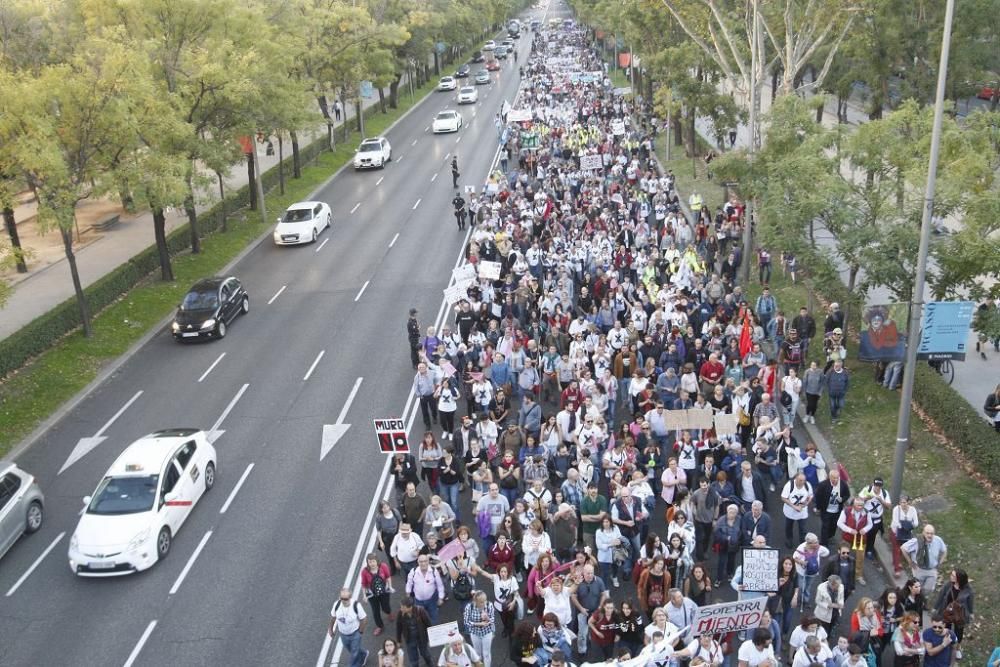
(48, 282)
(976, 377)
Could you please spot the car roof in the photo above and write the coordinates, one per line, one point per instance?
(208, 283)
(5, 466)
(147, 455)
(304, 204)
(447, 112)
(468, 89)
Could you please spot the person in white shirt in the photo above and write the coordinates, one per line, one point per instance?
(458, 654)
(349, 620)
(796, 496)
(812, 652)
(758, 651)
(704, 651)
(901, 529)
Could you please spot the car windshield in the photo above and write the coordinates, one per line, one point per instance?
(370, 147)
(297, 215)
(203, 300)
(124, 495)
(446, 115)
(468, 89)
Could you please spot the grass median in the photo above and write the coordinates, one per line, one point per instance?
(32, 394)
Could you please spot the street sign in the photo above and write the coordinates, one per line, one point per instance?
(945, 331)
(367, 90)
(391, 436)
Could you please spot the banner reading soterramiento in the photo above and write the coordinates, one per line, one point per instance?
(728, 616)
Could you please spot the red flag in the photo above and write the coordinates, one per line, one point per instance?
(746, 341)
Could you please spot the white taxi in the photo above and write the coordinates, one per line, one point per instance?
(147, 494)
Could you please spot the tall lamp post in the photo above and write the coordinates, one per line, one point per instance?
(754, 81)
(917, 298)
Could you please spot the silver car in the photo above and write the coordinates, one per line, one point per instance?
(21, 503)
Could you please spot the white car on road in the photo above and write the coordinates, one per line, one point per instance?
(373, 153)
(489, 45)
(303, 223)
(147, 494)
(447, 83)
(468, 95)
(447, 121)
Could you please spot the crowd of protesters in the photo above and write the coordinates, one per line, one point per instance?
(589, 529)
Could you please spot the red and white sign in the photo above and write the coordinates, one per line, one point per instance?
(728, 616)
(391, 436)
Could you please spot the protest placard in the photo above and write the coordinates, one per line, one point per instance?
(726, 424)
(519, 115)
(451, 550)
(728, 616)
(489, 270)
(446, 633)
(760, 570)
(618, 127)
(591, 162)
(457, 292)
(466, 272)
(676, 420)
(700, 419)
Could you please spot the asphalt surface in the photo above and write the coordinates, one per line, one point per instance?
(260, 589)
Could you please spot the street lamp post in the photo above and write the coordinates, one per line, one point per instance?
(917, 298)
(748, 223)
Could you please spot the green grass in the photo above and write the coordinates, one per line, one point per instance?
(691, 175)
(33, 393)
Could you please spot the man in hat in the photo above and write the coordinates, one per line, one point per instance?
(413, 334)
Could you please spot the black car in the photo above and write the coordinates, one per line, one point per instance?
(463, 71)
(208, 307)
(478, 57)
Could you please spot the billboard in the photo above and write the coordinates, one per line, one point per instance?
(883, 336)
(945, 330)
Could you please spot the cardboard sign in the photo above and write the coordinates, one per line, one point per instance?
(444, 634)
(618, 127)
(447, 369)
(700, 419)
(391, 435)
(729, 616)
(726, 424)
(457, 293)
(676, 420)
(489, 270)
(466, 272)
(760, 570)
(591, 162)
(451, 550)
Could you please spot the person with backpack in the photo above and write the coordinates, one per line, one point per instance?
(349, 620)
(377, 585)
(424, 584)
(765, 308)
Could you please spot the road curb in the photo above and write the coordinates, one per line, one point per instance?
(60, 413)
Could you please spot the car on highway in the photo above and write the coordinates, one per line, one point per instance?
(447, 83)
(468, 95)
(509, 43)
(21, 505)
(140, 504)
(447, 121)
(373, 153)
(209, 307)
(477, 57)
(500, 52)
(489, 45)
(493, 65)
(303, 223)
(463, 71)
(482, 77)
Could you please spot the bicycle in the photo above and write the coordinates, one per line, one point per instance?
(945, 369)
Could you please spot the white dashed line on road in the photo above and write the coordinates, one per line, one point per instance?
(214, 364)
(142, 642)
(458, 139)
(313, 367)
(355, 207)
(380, 179)
(414, 142)
(38, 561)
(190, 563)
(447, 156)
(434, 178)
(363, 288)
(236, 489)
(393, 241)
(427, 129)
(325, 241)
(276, 294)
(416, 205)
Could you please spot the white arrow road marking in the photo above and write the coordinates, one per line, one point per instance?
(334, 432)
(313, 367)
(215, 432)
(276, 295)
(190, 563)
(86, 444)
(214, 364)
(24, 577)
(142, 642)
(236, 489)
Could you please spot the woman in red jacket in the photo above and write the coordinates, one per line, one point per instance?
(866, 618)
(376, 581)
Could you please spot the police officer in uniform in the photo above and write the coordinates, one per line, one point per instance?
(413, 333)
(454, 172)
(459, 203)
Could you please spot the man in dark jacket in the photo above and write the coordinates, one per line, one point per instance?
(413, 334)
(755, 522)
(832, 495)
(842, 566)
(805, 324)
(834, 320)
(411, 633)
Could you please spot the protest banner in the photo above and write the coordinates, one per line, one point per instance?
(489, 270)
(441, 635)
(728, 617)
(591, 162)
(760, 570)
(726, 424)
(700, 419)
(519, 115)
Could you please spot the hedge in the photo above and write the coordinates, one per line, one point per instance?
(41, 333)
(961, 423)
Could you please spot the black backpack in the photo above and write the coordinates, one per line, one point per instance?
(461, 588)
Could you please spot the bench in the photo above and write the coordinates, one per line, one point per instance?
(106, 224)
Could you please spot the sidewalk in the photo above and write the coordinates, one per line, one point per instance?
(976, 377)
(48, 282)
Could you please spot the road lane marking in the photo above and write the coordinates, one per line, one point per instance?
(236, 489)
(393, 241)
(414, 142)
(142, 642)
(214, 433)
(85, 445)
(313, 367)
(397, 160)
(332, 433)
(416, 205)
(325, 241)
(362, 291)
(434, 178)
(190, 563)
(355, 207)
(214, 364)
(447, 156)
(277, 294)
(458, 139)
(34, 566)
(473, 113)
(380, 179)
(427, 129)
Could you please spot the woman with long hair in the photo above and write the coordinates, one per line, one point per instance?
(430, 456)
(524, 644)
(607, 537)
(506, 597)
(375, 581)
(912, 598)
(630, 626)
(654, 582)
(698, 585)
(390, 655)
(954, 603)
(786, 599)
(387, 521)
(891, 609)
(866, 618)
(678, 559)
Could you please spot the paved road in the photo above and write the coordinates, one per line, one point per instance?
(262, 586)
